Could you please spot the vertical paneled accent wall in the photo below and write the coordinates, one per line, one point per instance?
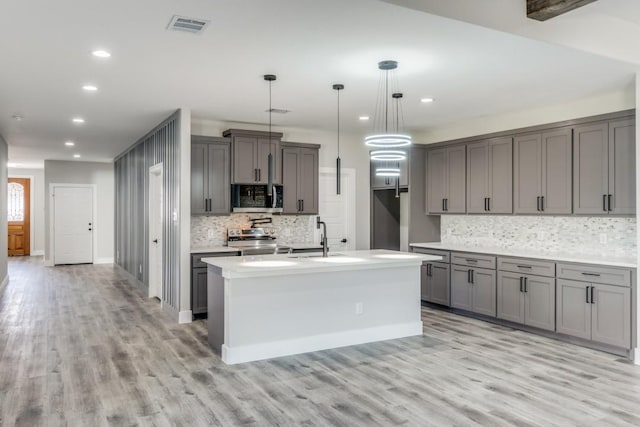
(161, 145)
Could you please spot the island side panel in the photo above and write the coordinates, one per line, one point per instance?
(215, 307)
(295, 313)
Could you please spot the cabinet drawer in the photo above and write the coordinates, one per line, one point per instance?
(435, 252)
(196, 259)
(473, 260)
(527, 266)
(595, 274)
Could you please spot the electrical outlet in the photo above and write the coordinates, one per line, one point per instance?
(210, 234)
(359, 308)
(603, 238)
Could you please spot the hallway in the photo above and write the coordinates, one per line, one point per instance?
(80, 346)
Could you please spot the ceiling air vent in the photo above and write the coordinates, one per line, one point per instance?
(190, 25)
(277, 111)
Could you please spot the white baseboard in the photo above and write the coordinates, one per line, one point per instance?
(249, 353)
(37, 253)
(185, 316)
(636, 356)
(103, 261)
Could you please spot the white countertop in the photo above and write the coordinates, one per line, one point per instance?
(614, 261)
(241, 267)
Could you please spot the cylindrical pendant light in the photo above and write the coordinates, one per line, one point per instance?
(338, 88)
(270, 78)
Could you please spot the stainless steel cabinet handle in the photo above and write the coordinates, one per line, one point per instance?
(523, 266)
(443, 209)
(609, 203)
(591, 274)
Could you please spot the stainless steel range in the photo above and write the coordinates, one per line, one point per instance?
(255, 241)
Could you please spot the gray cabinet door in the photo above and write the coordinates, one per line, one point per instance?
(510, 289)
(573, 312)
(590, 168)
(540, 302)
(435, 283)
(556, 172)
(199, 291)
(611, 315)
(219, 176)
(308, 176)
(456, 197)
(484, 291)
(622, 166)
(199, 178)
(477, 177)
(500, 154)
(264, 147)
(290, 202)
(461, 296)
(527, 173)
(244, 160)
(436, 180)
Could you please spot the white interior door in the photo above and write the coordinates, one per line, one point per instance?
(338, 211)
(73, 225)
(156, 200)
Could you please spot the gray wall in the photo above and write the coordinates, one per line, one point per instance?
(4, 156)
(161, 145)
(99, 174)
(37, 206)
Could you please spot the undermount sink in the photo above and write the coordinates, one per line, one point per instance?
(268, 263)
(338, 259)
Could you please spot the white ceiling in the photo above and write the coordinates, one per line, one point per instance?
(471, 71)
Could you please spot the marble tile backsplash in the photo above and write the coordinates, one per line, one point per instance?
(212, 230)
(585, 235)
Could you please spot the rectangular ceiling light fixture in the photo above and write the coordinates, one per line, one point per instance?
(190, 25)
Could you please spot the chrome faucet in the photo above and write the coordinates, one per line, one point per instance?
(325, 248)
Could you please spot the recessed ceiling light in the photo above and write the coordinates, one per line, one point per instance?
(90, 88)
(69, 143)
(76, 156)
(77, 120)
(426, 100)
(101, 54)
(363, 118)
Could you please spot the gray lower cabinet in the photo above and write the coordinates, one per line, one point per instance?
(446, 180)
(473, 289)
(434, 283)
(210, 176)
(604, 168)
(199, 280)
(594, 311)
(300, 175)
(542, 172)
(526, 299)
(489, 176)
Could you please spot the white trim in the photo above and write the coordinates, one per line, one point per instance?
(158, 171)
(95, 226)
(103, 260)
(185, 316)
(32, 238)
(39, 252)
(249, 353)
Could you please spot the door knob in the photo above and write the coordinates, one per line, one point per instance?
(155, 241)
(343, 241)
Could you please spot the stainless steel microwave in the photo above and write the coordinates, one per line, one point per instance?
(256, 198)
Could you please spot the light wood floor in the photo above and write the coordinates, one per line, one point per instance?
(79, 346)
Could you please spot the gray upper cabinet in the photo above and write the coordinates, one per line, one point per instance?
(604, 168)
(490, 176)
(446, 180)
(300, 175)
(210, 176)
(249, 156)
(382, 182)
(542, 172)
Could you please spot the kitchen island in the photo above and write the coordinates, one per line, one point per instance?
(277, 305)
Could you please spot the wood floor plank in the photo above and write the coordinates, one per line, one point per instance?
(80, 346)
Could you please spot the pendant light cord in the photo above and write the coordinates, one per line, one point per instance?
(386, 102)
(338, 122)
